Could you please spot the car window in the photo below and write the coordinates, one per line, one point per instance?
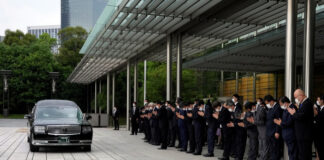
(53, 112)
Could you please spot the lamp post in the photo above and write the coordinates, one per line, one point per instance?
(5, 106)
(54, 76)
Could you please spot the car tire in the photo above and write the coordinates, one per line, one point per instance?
(33, 148)
(87, 148)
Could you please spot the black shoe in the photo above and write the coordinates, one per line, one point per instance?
(233, 156)
(162, 148)
(178, 146)
(209, 155)
(223, 158)
(132, 134)
(190, 151)
(182, 150)
(197, 153)
(171, 145)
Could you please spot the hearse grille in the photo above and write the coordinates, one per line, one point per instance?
(63, 129)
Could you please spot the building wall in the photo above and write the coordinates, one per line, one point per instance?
(82, 13)
(265, 84)
(52, 30)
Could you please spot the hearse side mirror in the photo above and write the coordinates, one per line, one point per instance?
(88, 117)
(27, 116)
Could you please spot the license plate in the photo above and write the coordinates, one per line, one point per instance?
(64, 140)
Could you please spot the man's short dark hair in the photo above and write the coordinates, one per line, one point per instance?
(236, 96)
(248, 105)
(268, 98)
(322, 97)
(284, 99)
(201, 102)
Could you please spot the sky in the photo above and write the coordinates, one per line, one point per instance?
(18, 14)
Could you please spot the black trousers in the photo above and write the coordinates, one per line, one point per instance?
(164, 136)
(227, 137)
(253, 147)
(211, 132)
(304, 145)
(191, 133)
(134, 127)
(198, 137)
(116, 123)
(240, 143)
(274, 148)
(172, 136)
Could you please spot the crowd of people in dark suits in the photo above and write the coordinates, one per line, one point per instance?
(266, 124)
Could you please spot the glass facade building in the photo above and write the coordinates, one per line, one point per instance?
(82, 13)
(52, 30)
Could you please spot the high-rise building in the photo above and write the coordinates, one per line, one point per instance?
(82, 13)
(1, 38)
(52, 30)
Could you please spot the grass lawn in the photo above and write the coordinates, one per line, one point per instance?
(13, 116)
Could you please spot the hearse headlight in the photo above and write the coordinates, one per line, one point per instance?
(39, 129)
(86, 129)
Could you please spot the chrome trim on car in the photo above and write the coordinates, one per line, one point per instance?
(46, 143)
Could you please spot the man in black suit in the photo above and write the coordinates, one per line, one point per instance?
(134, 118)
(172, 124)
(226, 121)
(191, 130)
(252, 131)
(238, 107)
(303, 120)
(115, 115)
(273, 133)
(162, 115)
(198, 122)
(319, 118)
(212, 126)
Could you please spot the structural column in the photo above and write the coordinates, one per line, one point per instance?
(308, 66)
(95, 97)
(236, 82)
(108, 96)
(113, 90)
(128, 95)
(290, 55)
(144, 92)
(99, 107)
(169, 69)
(221, 93)
(135, 82)
(179, 64)
(254, 86)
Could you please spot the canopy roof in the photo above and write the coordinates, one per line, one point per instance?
(133, 30)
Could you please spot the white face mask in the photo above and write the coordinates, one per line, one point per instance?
(150, 108)
(134, 105)
(166, 104)
(217, 110)
(283, 107)
(296, 100)
(178, 107)
(200, 109)
(230, 110)
(269, 106)
(189, 109)
(258, 103)
(233, 100)
(318, 103)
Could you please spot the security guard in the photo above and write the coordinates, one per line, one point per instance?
(212, 126)
(182, 127)
(198, 120)
(190, 128)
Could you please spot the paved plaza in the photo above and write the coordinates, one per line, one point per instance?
(107, 145)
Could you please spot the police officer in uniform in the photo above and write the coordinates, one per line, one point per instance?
(212, 126)
(190, 128)
(198, 120)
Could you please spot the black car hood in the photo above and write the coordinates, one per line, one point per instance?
(61, 121)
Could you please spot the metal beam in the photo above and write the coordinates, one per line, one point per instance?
(254, 86)
(309, 39)
(108, 95)
(128, 95)
(236, 82)
(144, 80)
(113, 90)
(221, 93)
(179, 64)
(169, 68)
(95, 98)
(290, 68)
(135, 82)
